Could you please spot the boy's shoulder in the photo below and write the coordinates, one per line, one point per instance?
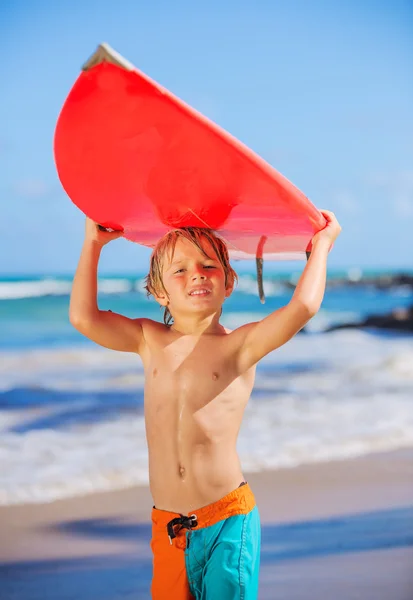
(227, 347)
(149, 326)
(155, 330)
(156, 327)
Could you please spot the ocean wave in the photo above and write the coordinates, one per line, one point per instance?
(277, 432)
(76, 368)
(37, 288)
(33, 289)
(247, 284)
(54, 286)
(71, 422)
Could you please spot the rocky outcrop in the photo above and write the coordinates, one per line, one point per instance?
(399, 319)
(358, 279)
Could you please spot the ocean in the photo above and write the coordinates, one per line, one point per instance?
(71, 413)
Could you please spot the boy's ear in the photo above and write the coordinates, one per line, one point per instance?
(161, 298)
(229, 289)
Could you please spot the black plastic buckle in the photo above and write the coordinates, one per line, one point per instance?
(183, 521)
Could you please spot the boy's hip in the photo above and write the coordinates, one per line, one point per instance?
(173, 525)
(213, 550)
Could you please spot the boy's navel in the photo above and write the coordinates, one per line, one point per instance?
(154, 372)
(215, 376)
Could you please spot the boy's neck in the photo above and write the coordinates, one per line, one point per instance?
(198, 328)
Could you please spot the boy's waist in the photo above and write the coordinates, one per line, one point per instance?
(237, 502)
(193, 479)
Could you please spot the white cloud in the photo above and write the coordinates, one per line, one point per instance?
(398, 187)
(346, 202)
(404, 205)
(32, 188)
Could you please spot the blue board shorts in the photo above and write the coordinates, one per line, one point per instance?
(213, 553)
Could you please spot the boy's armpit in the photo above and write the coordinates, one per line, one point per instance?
(260, 338)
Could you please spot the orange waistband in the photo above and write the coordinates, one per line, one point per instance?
(238, 502)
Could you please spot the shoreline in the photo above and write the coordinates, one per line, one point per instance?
(320, 490)
(341, 530)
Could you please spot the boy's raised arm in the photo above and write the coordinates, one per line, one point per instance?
(103, 327)
(258, 339)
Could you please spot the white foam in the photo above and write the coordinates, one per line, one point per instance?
(48, 286)
(248, 285)
(75, 368)
(319, 397)
(33, 289)
(114, 286)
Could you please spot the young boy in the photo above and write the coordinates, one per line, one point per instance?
(199, 376)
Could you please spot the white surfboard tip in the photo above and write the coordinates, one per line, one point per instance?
(104, 53)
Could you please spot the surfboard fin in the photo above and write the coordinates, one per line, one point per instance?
(260, 264)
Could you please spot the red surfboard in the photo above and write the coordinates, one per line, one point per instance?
(132, 156)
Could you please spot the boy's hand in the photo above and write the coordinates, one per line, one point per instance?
(330, 232)
(95, 234)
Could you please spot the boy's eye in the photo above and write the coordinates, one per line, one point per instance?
(205, 267)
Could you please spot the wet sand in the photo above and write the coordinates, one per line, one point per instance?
(338, 530)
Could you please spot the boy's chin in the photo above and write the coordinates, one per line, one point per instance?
(205, 308)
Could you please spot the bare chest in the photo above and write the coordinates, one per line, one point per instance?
(195, 387)
(200, 375)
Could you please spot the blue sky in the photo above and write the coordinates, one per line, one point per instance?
(321, 90)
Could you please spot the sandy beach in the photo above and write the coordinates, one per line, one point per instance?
(335, 530)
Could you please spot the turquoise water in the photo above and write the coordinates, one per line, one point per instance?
(34, 310)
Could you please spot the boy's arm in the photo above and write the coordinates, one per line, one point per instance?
(108, 329)
(280, 326)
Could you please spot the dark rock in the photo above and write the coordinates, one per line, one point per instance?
(381, 282)
(399, 319)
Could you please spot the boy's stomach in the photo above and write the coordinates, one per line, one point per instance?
(200, 476)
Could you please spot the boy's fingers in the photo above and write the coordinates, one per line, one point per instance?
(113, 231)
(328, 214)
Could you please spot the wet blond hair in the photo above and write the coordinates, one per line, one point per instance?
(166, 247)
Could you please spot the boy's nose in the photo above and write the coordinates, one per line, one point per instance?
(197, 272)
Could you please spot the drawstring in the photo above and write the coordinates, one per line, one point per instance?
(260, 263)
(187, 522)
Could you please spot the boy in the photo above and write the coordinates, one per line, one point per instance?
(199, 377)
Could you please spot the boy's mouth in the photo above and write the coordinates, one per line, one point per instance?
(200, 291)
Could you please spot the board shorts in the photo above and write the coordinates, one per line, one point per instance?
(213, 553)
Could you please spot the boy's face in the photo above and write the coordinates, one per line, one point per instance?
(187, 270)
